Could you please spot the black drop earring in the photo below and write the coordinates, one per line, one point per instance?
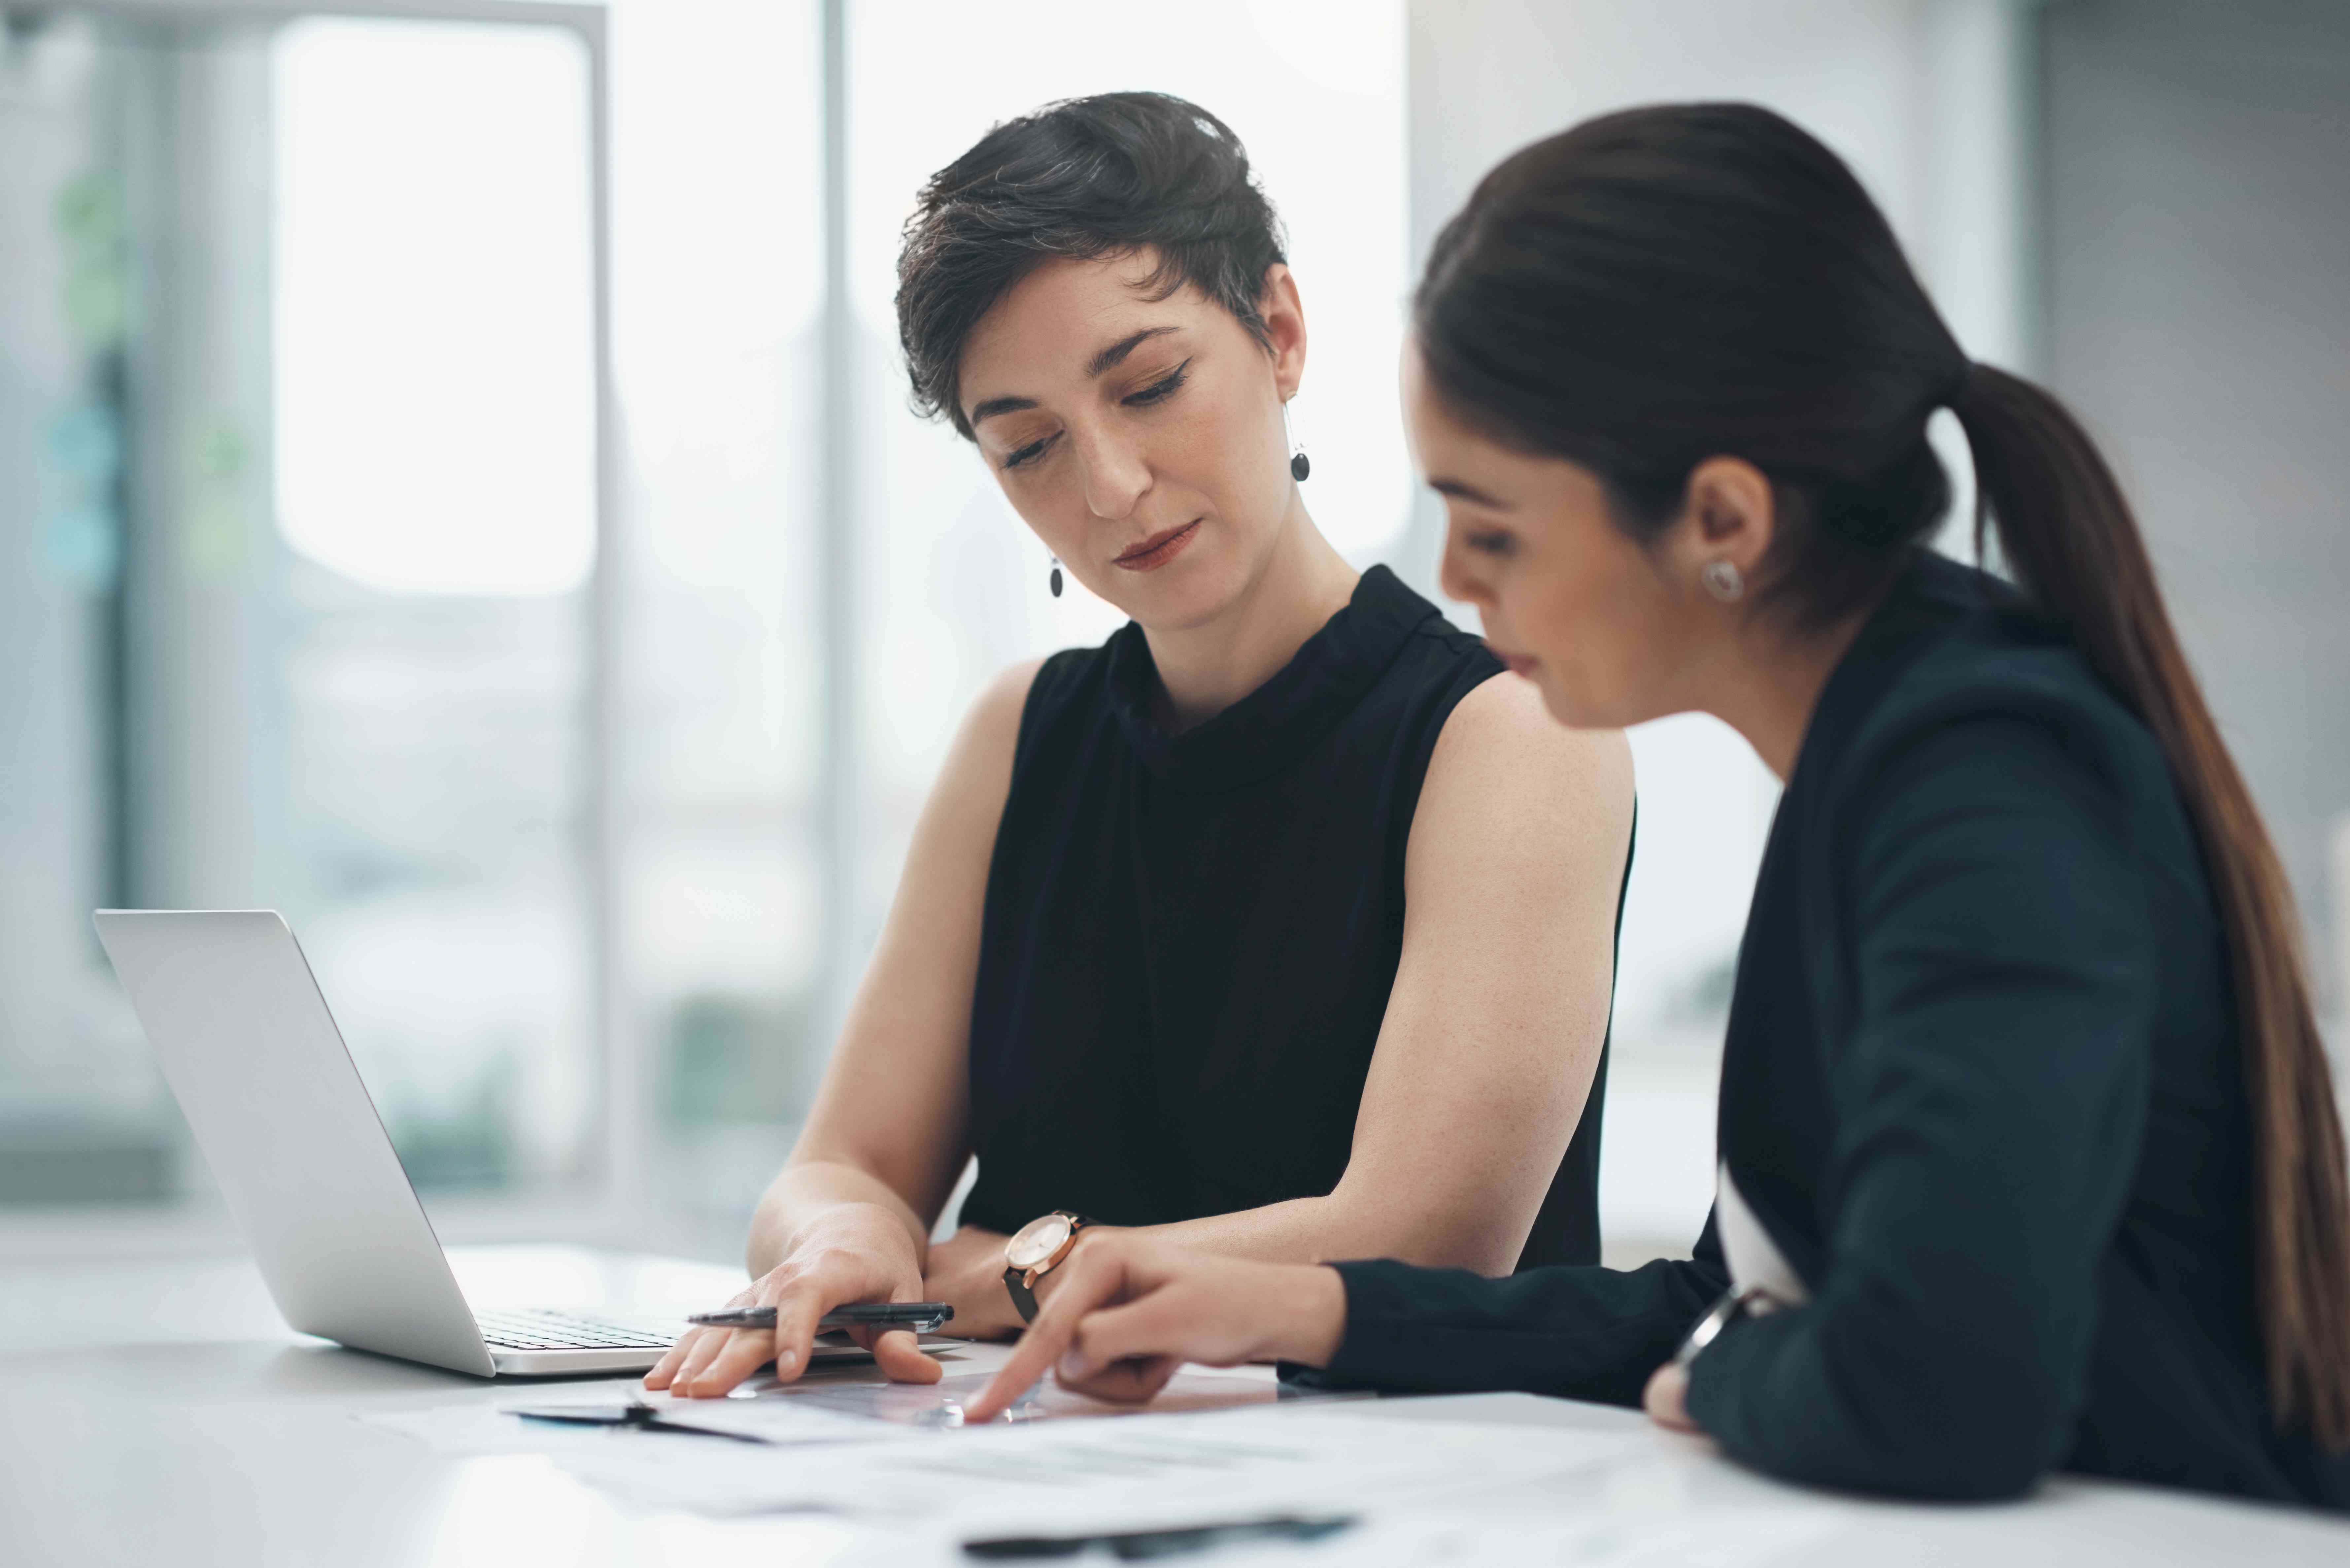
(1056, 578)
(1299, 466)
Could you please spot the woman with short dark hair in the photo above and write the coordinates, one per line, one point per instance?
(2029, 1156)
(1274, 924)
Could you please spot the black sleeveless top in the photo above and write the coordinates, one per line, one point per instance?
(1188, 940)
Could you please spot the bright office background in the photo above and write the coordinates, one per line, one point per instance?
(586, 823)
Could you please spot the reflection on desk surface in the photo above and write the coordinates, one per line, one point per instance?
(1158, 1469)
(941, 1404)
(851, 1406)
(164, 1399)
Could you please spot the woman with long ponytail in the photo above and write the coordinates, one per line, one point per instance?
(2068, 537)
(2030, 1158)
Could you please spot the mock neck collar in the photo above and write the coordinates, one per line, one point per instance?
(1273, 727)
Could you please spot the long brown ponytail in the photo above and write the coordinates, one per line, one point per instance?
(2068, 537)
(1657, 286)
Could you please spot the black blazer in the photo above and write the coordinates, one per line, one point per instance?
(1982, 1086)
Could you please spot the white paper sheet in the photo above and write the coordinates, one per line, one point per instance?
(489, 1428)
(939, 1405)
(1152, 1469)
(846, 1408)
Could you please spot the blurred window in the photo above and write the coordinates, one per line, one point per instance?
(718, 279)
(298, 446)
(2197, 219)
(308, 426)
(433, 407)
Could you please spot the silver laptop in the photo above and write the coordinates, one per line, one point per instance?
(229, 1003)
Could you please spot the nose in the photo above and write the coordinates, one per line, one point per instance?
(1115, 476)
(1457, 572)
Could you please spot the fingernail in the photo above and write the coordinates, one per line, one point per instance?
(1071, 1366)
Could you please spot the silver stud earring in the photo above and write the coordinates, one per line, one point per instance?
(1056, 578)
(1722, 579)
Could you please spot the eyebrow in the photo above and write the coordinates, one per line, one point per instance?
(1462, 489)
(1114, 355)
(995, 406)
(1108, 358)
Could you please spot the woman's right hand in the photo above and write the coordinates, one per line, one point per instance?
(856, 1252)
(1131, 1310)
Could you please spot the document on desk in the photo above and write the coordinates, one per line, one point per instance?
(490, 1427)
(1149, 1470)
(939, 1405)
(848, 1408)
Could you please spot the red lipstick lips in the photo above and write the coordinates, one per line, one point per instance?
(1155, 552)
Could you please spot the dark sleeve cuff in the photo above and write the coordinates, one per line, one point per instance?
(1578, 1332)
(1382, 1348)
(1389, 1341)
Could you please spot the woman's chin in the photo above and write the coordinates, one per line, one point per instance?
(1190, 591)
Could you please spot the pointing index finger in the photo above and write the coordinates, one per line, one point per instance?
(1091, 1282)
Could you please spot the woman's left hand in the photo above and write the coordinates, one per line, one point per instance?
(1667, 1397)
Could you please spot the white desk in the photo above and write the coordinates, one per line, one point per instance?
(160, 1413)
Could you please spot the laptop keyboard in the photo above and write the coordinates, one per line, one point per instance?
(564, 1331)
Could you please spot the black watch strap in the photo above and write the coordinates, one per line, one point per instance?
(1016, 1281)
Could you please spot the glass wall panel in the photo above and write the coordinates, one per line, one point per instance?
(300, 452)
(716, 116)
(82, 1113)
(2197, 221)
(434, 499)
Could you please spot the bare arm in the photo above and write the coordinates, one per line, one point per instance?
(853, 1207)
(1499, 1006)
(1491, 1034)
(1492, 1030)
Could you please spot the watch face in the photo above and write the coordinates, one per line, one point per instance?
(1037, 1240)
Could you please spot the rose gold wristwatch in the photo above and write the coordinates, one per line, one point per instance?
(1036, 1250)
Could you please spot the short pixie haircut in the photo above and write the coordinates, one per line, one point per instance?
(1115, 174)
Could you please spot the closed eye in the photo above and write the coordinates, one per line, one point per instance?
(1027, 454)
(1161, 390)
(1495, 542)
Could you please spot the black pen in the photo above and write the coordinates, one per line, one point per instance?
(921, 1317)
(636, 1413)
(1140, 1544)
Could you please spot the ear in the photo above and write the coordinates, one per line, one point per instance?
(1285, 328)
(1728, 514)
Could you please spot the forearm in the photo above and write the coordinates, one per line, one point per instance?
(1576, 1331)
(1343, 1225)
(1579, 1333)
(811, 1193)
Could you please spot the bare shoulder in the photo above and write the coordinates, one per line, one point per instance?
(996, 711)
(975, 779)
(991, 729)
(1501, 750)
